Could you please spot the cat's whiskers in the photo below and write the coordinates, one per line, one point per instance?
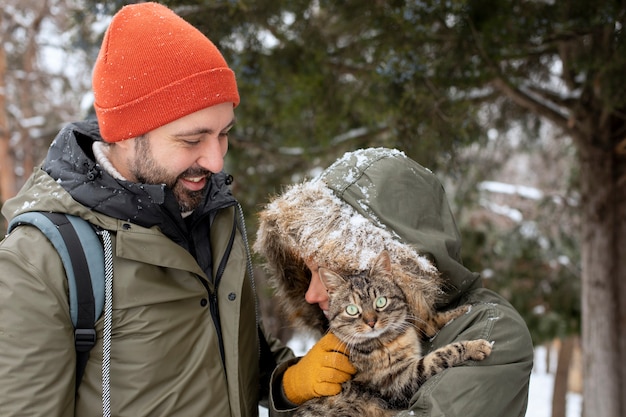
(412, 319)
(343, 340)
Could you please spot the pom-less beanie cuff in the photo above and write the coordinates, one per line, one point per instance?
(154, 68)
(169, 103)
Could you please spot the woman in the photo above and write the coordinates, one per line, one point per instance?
(366, 201)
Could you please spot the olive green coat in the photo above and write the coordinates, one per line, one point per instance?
(377, 199)
(165, 350)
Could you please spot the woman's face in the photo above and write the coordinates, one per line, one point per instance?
(317, 292)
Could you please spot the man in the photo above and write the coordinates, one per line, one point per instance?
(187, 339)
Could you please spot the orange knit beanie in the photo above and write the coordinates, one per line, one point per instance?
(154, 68)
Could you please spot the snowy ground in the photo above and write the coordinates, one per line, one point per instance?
(541, 385)
(540, 395)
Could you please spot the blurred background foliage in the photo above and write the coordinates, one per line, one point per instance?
(318, 78)
(441, 80)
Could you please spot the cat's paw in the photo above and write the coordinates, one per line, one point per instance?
(446, 317)
(479, 349)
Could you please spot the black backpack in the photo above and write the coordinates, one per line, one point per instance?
(83, 255)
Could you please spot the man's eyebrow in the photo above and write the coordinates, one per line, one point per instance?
(202, 130)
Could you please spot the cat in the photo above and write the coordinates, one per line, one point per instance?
(369, 312)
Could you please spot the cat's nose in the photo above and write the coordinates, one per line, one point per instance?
(370, 320)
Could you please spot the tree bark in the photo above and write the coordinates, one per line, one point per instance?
(28, 94)
(549, 350)
(561, 377)
(7, 172)
(603, 249)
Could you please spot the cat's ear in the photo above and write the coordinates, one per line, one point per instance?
(382, 263)
(330, 279)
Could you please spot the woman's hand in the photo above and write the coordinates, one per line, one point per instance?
(320, 372)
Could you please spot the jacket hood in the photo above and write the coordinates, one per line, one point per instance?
(70, 174)
(367, 201)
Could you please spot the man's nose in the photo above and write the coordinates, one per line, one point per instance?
(212, 155)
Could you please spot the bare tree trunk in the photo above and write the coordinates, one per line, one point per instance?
(28, 91)
(549, 349)
(559, 394)
(7, 173)
(603, 248)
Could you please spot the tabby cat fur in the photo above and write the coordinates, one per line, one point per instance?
(370, 313)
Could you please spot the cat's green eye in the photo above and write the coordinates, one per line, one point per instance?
(352, 310)
(380, 302)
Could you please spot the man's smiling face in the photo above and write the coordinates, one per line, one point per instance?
(183, 154)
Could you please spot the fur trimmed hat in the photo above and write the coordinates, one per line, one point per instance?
(154, 68)
(368, 201)
(308, 221)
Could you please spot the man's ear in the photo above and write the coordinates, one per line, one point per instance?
(125, 145)
(120, 153)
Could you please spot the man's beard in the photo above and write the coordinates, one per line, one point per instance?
(189, 200)
(146, 170)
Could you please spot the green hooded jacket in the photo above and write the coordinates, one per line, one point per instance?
(378, 198)
(186, 334)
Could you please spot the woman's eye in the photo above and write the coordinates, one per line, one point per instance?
(380, 302)
(352, 310)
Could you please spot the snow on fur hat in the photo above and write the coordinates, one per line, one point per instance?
(313, 223)
(154, 68)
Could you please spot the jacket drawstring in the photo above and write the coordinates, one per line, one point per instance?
(108, 315)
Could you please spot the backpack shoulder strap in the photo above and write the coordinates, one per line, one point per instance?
(82, 255)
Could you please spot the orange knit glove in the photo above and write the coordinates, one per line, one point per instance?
(320, 372)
